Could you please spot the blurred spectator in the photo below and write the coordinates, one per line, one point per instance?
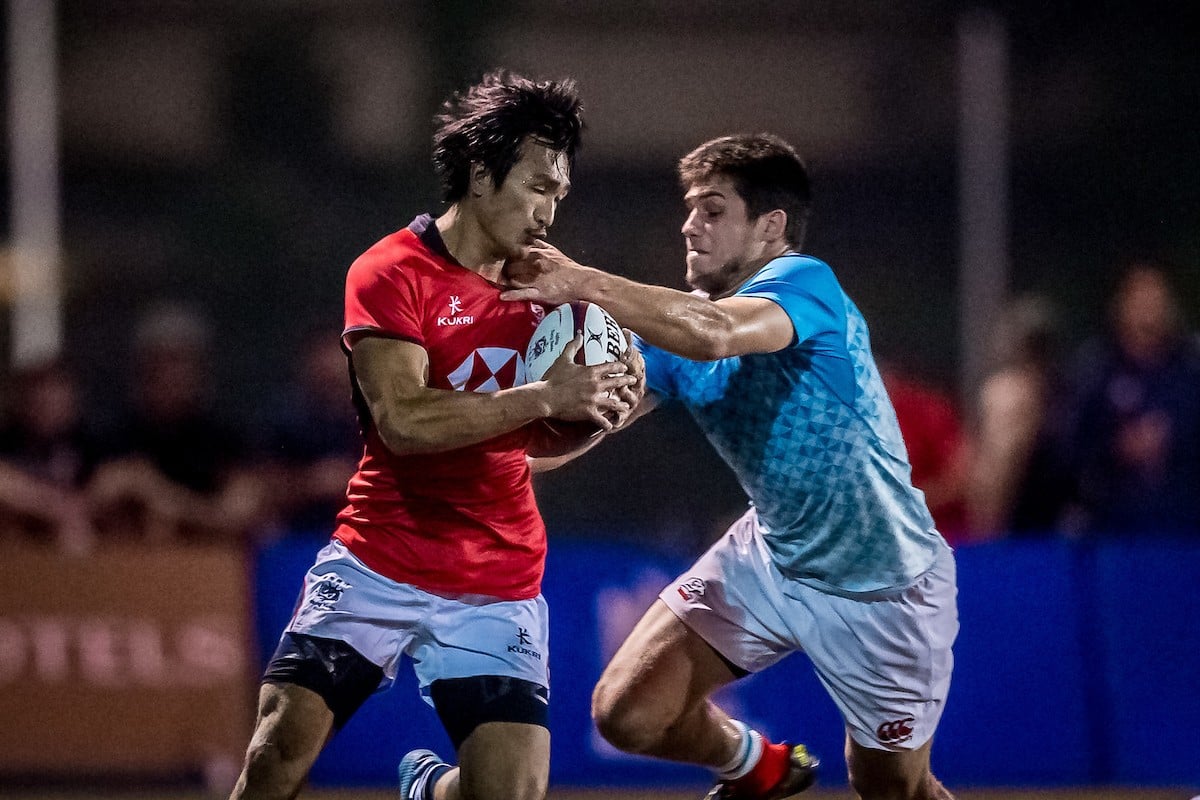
(1018, 484)
(1135, 432)
(314, 443)
(46, 456)
(932, 430)
(173, 471)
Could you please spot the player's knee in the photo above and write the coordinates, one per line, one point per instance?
(519, 785)
(271, 772)
(625, 723)
(878, 782)
(286, 740)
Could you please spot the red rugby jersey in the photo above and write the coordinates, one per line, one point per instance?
(460, 521)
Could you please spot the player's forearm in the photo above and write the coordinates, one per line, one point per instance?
(436, 420)
(679, 322)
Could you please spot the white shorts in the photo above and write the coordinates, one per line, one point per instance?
(458, 637)
(885, 661)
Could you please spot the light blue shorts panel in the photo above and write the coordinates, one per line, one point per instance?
(885, 661)
(457, 637)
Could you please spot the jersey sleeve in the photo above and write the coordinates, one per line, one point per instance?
(806, 289)
(382, 299)
(660, 374)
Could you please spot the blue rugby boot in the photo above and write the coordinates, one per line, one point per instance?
(419, 771)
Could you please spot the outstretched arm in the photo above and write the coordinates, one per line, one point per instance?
(680, 322)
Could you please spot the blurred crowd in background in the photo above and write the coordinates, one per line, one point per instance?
(1104, 441)
(223, 163)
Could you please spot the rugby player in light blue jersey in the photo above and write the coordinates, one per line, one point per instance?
(837, 556)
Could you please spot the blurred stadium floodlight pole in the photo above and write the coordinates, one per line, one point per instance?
(35, 246)
(983, 159)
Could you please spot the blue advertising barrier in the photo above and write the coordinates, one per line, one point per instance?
(1075, 665)
(1146, 642)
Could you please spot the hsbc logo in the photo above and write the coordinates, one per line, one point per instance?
(455, 307)
(488, 369)
(895, 731)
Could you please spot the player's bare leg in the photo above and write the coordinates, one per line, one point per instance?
(499, 761)
(653, 700)
(653, 696)
(886, 775)
(293, 725)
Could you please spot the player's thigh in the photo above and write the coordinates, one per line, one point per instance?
(887, 773)
(661, 669)
(885, 662)
(504, 761)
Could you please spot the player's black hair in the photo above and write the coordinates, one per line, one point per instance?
(764, 169)
(487, 123)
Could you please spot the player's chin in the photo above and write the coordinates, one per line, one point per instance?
(697, 279)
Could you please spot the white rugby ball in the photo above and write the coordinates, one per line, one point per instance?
(603, 339)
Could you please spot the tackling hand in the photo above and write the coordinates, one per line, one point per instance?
(544, 275)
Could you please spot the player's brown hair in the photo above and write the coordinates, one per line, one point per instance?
(487, 123)
(765, 171)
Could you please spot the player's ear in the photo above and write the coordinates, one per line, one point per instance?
(479, 180)
(774, 224)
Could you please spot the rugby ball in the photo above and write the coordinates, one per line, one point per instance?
(603, 339)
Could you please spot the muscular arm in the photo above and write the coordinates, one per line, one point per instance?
(412, 417)
(679, 322)
(688, 325)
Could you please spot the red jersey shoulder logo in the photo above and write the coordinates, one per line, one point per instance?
(454, 305)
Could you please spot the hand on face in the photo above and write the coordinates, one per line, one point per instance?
(543, 274)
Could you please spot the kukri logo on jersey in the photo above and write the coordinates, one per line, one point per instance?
(455, 306)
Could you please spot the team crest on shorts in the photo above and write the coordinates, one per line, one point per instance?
(691, 588)
(327, 592)
(895, 731)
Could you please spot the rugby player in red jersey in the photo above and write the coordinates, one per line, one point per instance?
(439, 551)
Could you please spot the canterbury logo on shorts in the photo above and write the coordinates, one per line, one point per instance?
(895, 731)
(691, 588)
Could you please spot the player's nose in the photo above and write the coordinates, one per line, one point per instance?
(543, 213)
(689, 224)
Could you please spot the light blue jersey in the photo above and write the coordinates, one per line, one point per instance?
(812, 437)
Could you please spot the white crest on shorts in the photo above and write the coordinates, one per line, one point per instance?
(327, 591)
